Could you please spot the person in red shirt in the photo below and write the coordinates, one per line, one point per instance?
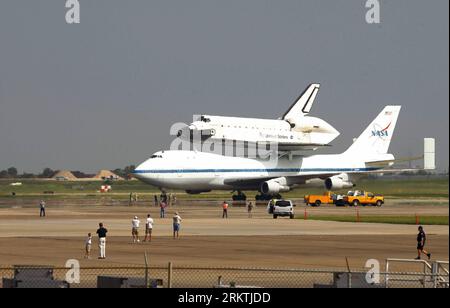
(225, 210)
(162, 208)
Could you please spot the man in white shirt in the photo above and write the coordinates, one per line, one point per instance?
(148, 228)
(176, 225)
(42, 208)
(135, 229)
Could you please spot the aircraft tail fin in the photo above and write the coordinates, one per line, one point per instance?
(377, 136)
(303, 103)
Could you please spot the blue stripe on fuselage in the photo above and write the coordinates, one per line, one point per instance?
(291, 170)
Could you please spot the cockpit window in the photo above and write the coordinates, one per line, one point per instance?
(155, 156)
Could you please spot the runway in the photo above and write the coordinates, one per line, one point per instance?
(207, 239)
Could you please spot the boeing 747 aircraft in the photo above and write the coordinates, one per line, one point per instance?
(197, 172)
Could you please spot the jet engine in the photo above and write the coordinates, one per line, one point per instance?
(274, 186)
(338, 182)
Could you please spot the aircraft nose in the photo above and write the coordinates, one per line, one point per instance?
(138, 171)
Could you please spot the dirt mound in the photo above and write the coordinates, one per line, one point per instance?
(106, 174)
(65, 175)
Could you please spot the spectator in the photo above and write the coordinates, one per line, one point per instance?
(42, 208)
(163, 198)
(174, 200)
(148, 228)
(176, 225)
(421, 240)
(250, 209)
(88, 245)
(225, 210)
(102, 240)
(162, 206)
(135, 229)
(130, 199)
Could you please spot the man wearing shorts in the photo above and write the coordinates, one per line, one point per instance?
(135, 229)
(148, 228)
(421, 240)
(176, 225)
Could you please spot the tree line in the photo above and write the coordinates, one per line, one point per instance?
(13, 173)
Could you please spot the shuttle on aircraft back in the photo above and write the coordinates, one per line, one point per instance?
(295, 130)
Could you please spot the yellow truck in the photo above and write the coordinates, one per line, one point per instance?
(364, 198)
(326, 198)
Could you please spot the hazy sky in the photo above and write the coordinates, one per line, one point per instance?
(104, 93)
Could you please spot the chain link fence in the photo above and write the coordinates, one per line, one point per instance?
(200, 277)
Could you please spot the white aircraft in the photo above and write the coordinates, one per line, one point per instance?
(294, 131)
(197, 172)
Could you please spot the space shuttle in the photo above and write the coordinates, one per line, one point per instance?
(295, 130)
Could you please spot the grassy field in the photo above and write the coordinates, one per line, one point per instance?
(396, 188)
(403, 220)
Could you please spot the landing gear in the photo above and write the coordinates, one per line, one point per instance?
(266, 197)
(240, 196)
(163, 197)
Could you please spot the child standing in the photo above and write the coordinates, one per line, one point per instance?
(88, 245)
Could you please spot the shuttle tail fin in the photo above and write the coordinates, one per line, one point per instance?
(378, 135)
(303, 103)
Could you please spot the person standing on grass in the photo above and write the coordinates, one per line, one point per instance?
(42, 208)
(135, 229)
(225, 210)
(102, 240)
(421, 240)
(176, 225)
(88, 245)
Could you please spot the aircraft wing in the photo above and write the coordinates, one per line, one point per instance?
(248, 183)
(383, 165)
(290, 146)
(255, 183)
(380, 171)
